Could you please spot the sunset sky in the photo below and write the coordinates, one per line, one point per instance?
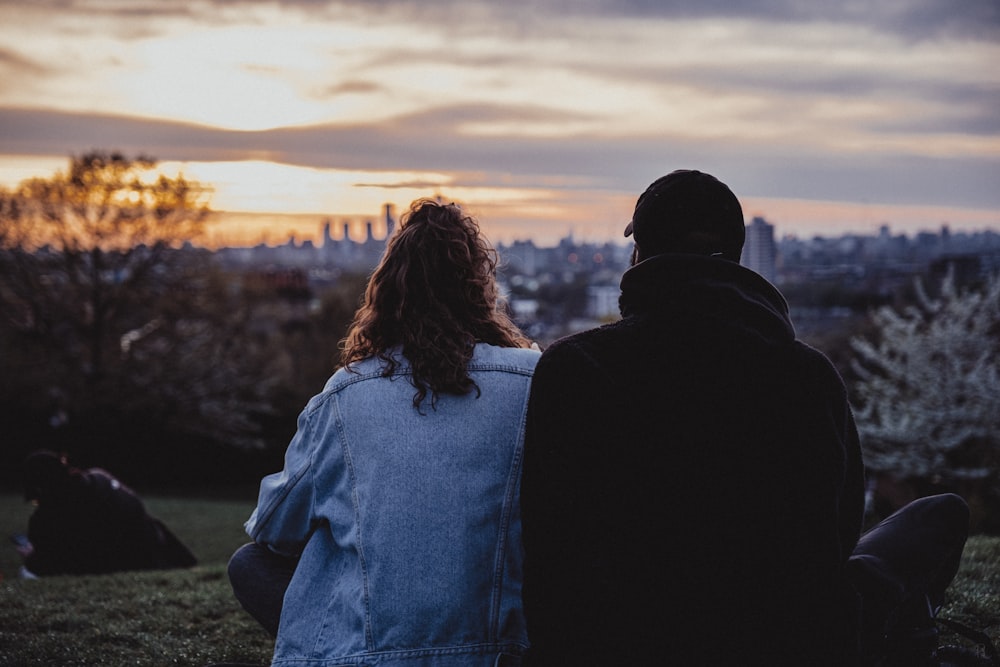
(543, 117)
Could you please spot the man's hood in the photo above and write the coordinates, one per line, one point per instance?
(708, 289)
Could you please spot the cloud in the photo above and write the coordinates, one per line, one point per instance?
(434, 141)
(13, 63)
(799, 99)
(350, 87)
(405, 185)
(913, 20)
(25, 131)
(916, 19)
(933, 105)
(26, 74)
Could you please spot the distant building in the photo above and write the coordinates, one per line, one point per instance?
(390, 221)
(602, 302)
(760, 250)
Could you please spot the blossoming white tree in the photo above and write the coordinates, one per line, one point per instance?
(928, 396)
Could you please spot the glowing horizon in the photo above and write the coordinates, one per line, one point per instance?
(542, 120)
(242, 217)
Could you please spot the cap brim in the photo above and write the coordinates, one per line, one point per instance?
(628, 229)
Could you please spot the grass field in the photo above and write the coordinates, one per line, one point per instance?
(178, 617)
(189, 617)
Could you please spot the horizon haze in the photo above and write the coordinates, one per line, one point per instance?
(543, 118)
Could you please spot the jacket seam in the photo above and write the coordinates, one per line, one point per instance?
(461, 649)
(512, 484)
(329, 392)
(272, 507)
(356, 507)
(362, 561)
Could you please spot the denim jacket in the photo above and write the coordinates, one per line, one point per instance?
(407, 521)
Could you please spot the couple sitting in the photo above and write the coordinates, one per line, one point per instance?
(684, 486)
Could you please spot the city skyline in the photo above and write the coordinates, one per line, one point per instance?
(356, 228)
(542, 117)
(759, 249)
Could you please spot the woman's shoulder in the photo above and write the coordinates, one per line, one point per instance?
(504, 358)
(362, 369)
(484, 357)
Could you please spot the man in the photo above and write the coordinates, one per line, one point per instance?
(693, 483)
(88, 522)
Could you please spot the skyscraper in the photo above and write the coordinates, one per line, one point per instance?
(390, 221)
(759, 250)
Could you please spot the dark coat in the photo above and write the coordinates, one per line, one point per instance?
(692, 482)
(94, 524)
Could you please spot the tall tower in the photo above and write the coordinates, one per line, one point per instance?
(327, 239)
(759, 250)
(390, 221)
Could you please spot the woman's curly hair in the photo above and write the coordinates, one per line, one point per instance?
(434, 295)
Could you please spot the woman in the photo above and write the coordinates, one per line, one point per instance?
(396, 517)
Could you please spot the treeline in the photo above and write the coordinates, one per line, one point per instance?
(126, 346)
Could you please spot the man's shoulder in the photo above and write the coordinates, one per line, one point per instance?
(819, 371)
(596, 341)
(815, 361)
(588, 356)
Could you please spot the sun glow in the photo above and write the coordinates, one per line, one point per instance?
(17, 168)
(543, 123)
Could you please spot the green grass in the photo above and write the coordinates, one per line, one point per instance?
(974, 595)
(177, 617)
(189, 617)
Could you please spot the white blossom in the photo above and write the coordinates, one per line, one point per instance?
(928, 394)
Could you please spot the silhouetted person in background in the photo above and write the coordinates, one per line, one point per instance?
(87, 522)
(693, 482)
(392, 536)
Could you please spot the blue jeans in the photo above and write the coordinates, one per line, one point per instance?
(259, 578)
(901, 567)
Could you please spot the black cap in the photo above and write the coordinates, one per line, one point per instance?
(688, 211)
